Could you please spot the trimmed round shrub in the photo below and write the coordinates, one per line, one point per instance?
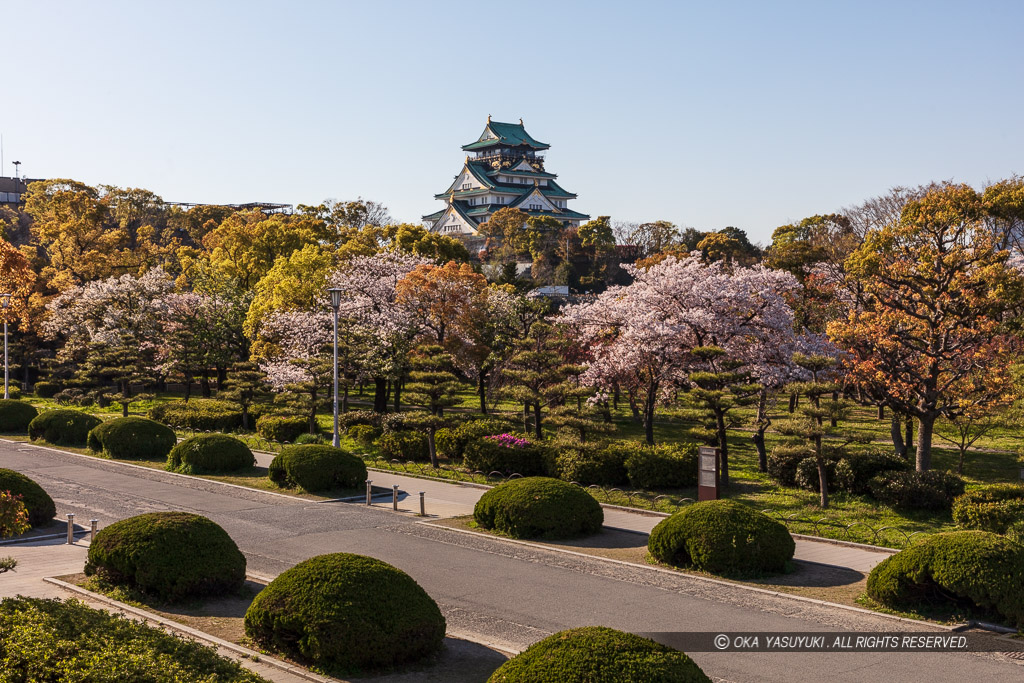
(539, 507)
(358, 417)
(990, 508)
(364, 434)
(132, 438)
(722, 537)
(316, 468)
(205, 414)
(471, 431)
(665, 466)
(65, 427)
(172, 555)
(979, 566)
(53, 640)
(210, 454)
(310, 438)
(590, 464)
(41, 509)
(346, 612)
(13, 391)
(596, 653)
(447, 444)
(807, 476)
(783, 461)
(860, 468)
(1015, 532)
(929, 490)
(46, 389)
(15, 416)
(504, 453)
(282, 428)
(404, 445)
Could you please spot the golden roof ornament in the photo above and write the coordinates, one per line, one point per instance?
(488, 118)
(520, 120)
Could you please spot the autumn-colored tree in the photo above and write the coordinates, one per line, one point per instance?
(445, 302)
(503, 224)
(927, 299)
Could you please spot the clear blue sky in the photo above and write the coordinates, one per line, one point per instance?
(707, 114)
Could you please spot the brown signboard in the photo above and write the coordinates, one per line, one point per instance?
(707, 473)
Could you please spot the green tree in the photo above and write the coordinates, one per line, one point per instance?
(535, 373)
(245, 385)
(431, 383)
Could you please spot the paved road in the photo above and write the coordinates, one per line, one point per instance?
(507, 594)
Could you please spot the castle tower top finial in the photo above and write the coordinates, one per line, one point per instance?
(488, 118)
(520, 120)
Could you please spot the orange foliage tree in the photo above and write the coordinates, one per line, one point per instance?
(928, 298)
(446, 302)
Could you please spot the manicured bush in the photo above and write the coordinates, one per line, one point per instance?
(310, 438)
(204, 414)
(393, 422)
(41, 509)
(65, 427)
(930, 490)
(282, 428)
(471, 431)
(132, 438)
(860, 468)
(317, 468)
(590, 464)
(722, 537)
(358, 417)
(596, 653)
(807, 476)
(665, 466)
(346, 612)
(16, 415)
(1015, 532)
(364, 434)
(504, 453)
(210, 454)
(783, 461)
(982, 567)
(13, 515)
(50, 640)
(447, 444)
(46, 389)
(990, 508)
(403, 445)
(171, 555)
(539, 507)
(13, 392)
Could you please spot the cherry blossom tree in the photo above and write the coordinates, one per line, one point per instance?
(642, 336)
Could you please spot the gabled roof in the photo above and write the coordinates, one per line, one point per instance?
(522, 174)
(508, 134)
(526, 195)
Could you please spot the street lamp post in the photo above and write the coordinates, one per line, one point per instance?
(5, 301)
(335, 304)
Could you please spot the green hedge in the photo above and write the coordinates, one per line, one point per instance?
(990, 508)
(317, 468)
(595, 654)
(591, 463)
(346, 612)
(15, 415)
(457, 438)
(913, 490)
(46, 389)
(132, 438)
(539, 507)
(63, 426)
(210, 454)
(282, 428)
(204, 414)
(665, 466)
(171, 555)
(403, 445)
(982, 567)
(50, 640)
(722, 537)
(41, 509)
(487, 455)
(364, 434)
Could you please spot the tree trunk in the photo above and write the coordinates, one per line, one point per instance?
(723, 445)
(792, 403)
(762, 425)
(881, 412)
(925, 427)
(344, 400)
(222, 376)
(615, 396)
(834, 421)
(245, 416)
(896, 430)
(526, 418)
(432, 447)
(481, 390)
(910, 431)
(823, 482)
(398, 395)
(536, 422)
(380, 397)
(652, 398)
(960, 463)
(204, 383)
(637, 417)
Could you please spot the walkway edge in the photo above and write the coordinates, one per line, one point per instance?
(698, 577)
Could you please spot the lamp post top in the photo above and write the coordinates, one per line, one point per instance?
(335, 297)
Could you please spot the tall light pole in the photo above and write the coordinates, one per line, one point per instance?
(5, 301)
(335, 304)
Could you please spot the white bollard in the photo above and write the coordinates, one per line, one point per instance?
(394, 497)
(92, 530)
(369, 491)
(71, 528)
(423, 506)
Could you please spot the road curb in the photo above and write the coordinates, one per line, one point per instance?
(698, 577)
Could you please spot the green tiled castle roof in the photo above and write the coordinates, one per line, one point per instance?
(507, 134)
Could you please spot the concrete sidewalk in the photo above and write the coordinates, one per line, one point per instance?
(453, 499)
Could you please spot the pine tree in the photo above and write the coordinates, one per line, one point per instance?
(124, 366)
(307, 397)
(431, 384)
(245, 384)
(535, 373)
